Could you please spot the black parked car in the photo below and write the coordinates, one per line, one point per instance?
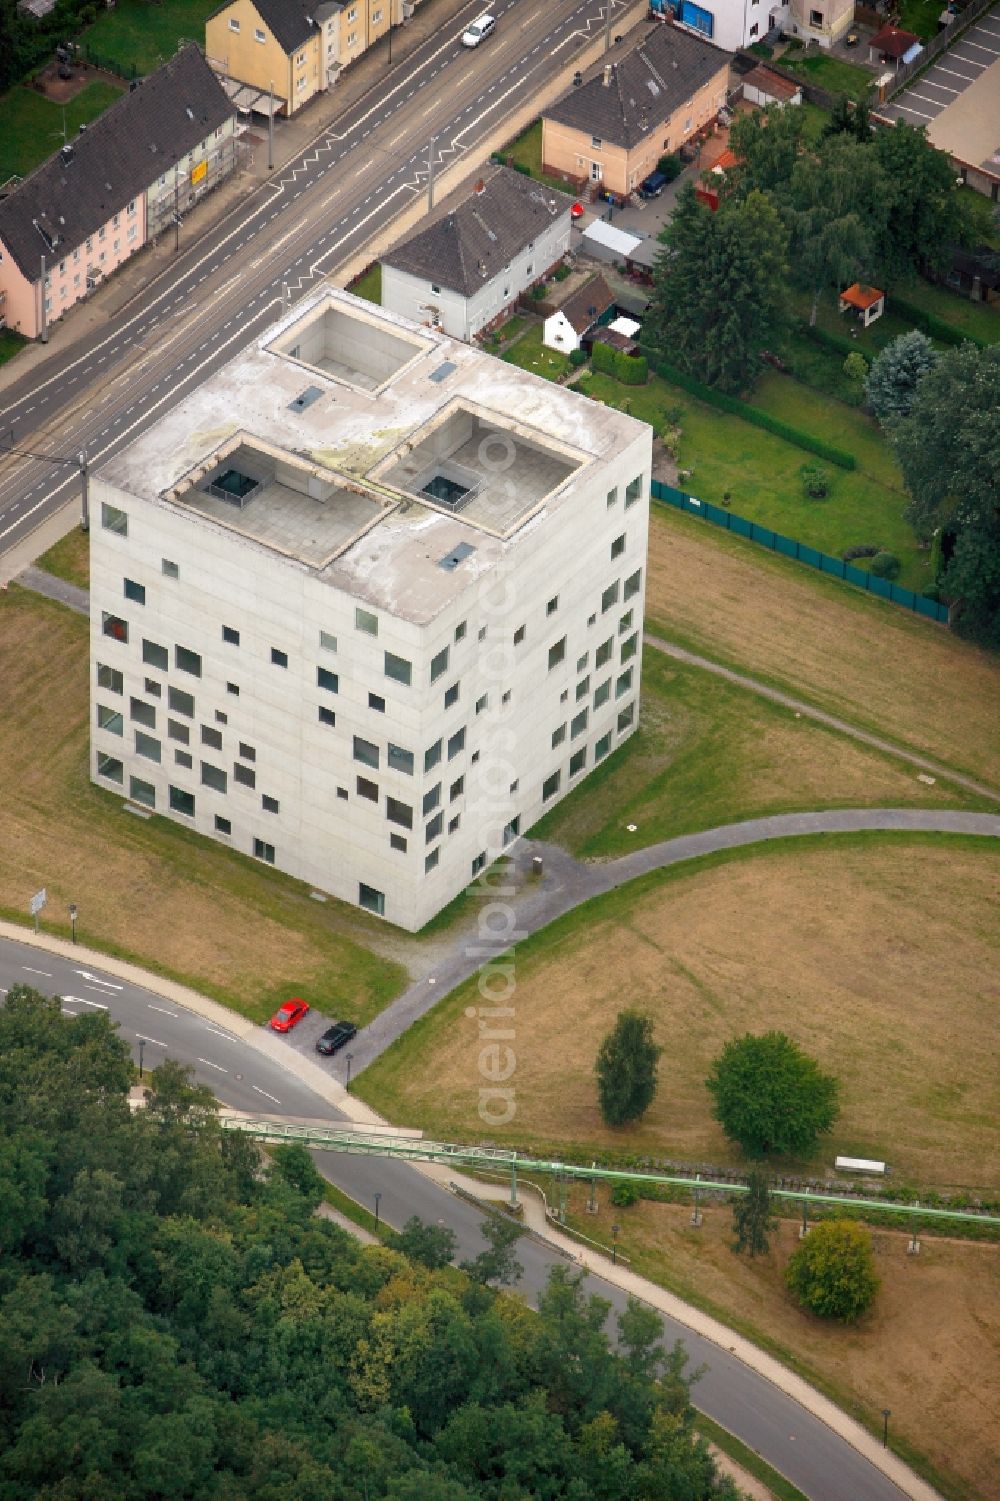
(335, 1037)
(653, 185)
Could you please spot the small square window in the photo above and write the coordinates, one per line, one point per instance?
(234, 689)
(135, 592)
(433, 829)
(453, 823)
(625, 717)
(479, 863)
(270, 804)
(115, 627)
(214, 777)
(557, 653)
(326, 716)
(153, 688)
(624, 683)
(456, 744)
(155, 655)
(609, 597)
(482, 703)
(211, 736)
(629, 647)
(221, 718)
(558, 736)
(222, 825)
(505, 696)
(591, 619)
(169, 569)
(398, 842)
(376, 702)
(230, 635)
(367, 789)
(551, 786)
(439, 663)
(603, 693)
(432, 756)
(612, 497)
(278, 658)
(365, 621)
(342, 794)
(519, 635)
(553, 605)
(582, 688)
(632, 584)
(482, 633)
(366, 752)
(187, 661)
(431, 860)
(579, 723)
(618, 547)
(245, 775)
(146, 745)
(263, 851)
(581, 662)
(371, 900)
(327, 642)
(327, 680)
(110, 767)
(142, 713)
(602, 747)
(514, 786)
(578, 761)
(398, 668)
(460, 630)
(142, 792)
(114, 520)
(603, 653)
(451, 695)
(633, 491)
(625, 624)
(181, 758)
(181, 801)
(178, 731)
(456, 789)
(111, 720)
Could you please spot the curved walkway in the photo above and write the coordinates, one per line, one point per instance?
(809, 711)
(510, 913)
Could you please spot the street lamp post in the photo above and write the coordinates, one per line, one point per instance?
(72, 919)
(886, 1415)
(389, 63)
(350, 1060)
(377, 1198)
(142, 1049)
(614, 1244)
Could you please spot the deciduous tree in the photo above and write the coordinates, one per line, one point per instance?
(769, 1096)
(752, 1220)
(833, 1271)
(626, 1069)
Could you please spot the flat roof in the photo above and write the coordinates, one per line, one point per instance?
(372, 452)
(969, 127)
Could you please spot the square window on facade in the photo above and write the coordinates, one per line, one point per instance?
(479, 863)
(582, 688)
(181, 758)
(581, 662)
(514, 786)
(371, 900)
(214, 777)
(145, 745)
(211, 736)
(633, 491)
(431, 799)
(519, 635)
(111, 720)
(142, 792)
(456, 744)
(482, 633)
(511, 830)
(431, 860)
(439, 663)
(110, 767)
(451, 695)
(155, 655)
(460, 630)
(178, 731)
(263, 851)
(365, 621)
(327, 642)
(618, 547)
(221, 718)
(602, 747)
(114, 520)
(505, 696)
(399, 669)
(603, 653)
(366, 752)
(591, 619)
(326, 716)
(153, 688)
(625, 624)
(629, 646)
(482, 703)
(603, 693)
(367, 789)
(234, 689)
(625, 717)
(609, 597)
(230, 635)
(453, 823)
(398, 842)
(327, 680)
(456, 789)
(169, 569)
(181, 801)
(270, 804)
(579, 723)
(279, 658)
(551, 786)
(135, 592)
(624, 683)
(342, 794)
(558, 736)
(110, 678)
(612, 497)
(557, 653)
(187, 661)
(142, 713)
(376, 702)
(632, 584)
(114, 627)
(397, 812)
(222, 825)
(432, 756)
(399, 759)
(433, 829)
(245, 775)
(553, 605)
(578, 761)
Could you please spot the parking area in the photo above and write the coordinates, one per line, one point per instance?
(974, 53)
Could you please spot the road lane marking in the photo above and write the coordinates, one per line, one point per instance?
(154, 1040)
(209, 1064)
(47, 973)
(161, 1009)
(265, 1093)
(81, 1000)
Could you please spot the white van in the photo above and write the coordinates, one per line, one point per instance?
(483, 27)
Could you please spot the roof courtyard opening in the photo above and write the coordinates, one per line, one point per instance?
(343, 343)
(471, 462)
(286, 503)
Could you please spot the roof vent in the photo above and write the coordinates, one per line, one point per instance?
(443, 371)
(189, 112)
(608, 70)
(459, 555)
(305, 399)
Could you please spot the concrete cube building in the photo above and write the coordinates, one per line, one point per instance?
(366, 604)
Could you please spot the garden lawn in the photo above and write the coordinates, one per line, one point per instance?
(33, 125)
(830, 73)
(10, 344)
(151, 890)
(761, 473)
(531, 354)
(862, 658)
(69, 559)
(879, 954)
(709, 752)
(526, 151)
(920, 17)
(142, 36)
(977, 318)
(368, 286)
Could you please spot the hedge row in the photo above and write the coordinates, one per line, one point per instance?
(624, 368)
(754, 415)
(933, 326)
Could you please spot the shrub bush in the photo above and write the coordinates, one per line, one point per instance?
(624, 1194)
(815, 481)
(753, 414)
(538, 291)
(630, 370)
(520, 167)
(865, 550)
(671, 166)
(833, 1271)
(561, 272)
(885, 565)
(602, 357)
(577, 358)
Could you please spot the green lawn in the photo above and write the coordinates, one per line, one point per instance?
(920, 17)
(33, 125)
(527, 151)
(531, 354)
(69, 559)
(829, 73)
(369, 286)
(761, 472)
(143, 36)
(10, 345)
(966, 317)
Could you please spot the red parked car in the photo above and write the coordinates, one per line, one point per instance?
(289, 1015)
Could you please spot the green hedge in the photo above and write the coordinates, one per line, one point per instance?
(623, 367)
(754, 415)
(931, 324)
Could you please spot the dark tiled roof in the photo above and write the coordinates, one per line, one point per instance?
(892, 41)
(587, 303)
(468, 247)
(644, 88)
(291, 22)
(116, 159)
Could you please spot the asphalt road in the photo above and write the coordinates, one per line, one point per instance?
(824, 1466)
(365, 169)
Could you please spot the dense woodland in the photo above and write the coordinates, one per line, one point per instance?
(175, 1322)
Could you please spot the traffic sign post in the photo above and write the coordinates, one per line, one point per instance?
(37, 903)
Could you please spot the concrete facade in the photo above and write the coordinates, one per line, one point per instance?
(820, 21)
(309, 644)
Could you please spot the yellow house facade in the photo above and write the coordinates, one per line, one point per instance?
(294, 48)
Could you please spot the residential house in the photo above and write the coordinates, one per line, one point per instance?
(613, 128)
(279, 54)
(466, 270)
(732, 23)
(109, 190)
(762, 86)
(564, 329)
(821, 21)
(366, 604)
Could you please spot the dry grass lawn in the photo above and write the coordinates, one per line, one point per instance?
(186, 907)
(929, 1349)
(863, 658)
(880, 957)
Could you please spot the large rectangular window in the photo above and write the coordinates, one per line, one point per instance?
(366, 752)
(146, 745)
(397, 812)
(114, 520)
(155, 655)
(110, 678)
(110, 767)
(557, 653)
(187, 661)
(214, 777)
(327, 679)
(180, 702)
(181, 801)
(142, 713)
(114, 626)
(399, 759)
(111, 720)
(142, 792)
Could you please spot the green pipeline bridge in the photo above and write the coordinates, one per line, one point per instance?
(411, 1146)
